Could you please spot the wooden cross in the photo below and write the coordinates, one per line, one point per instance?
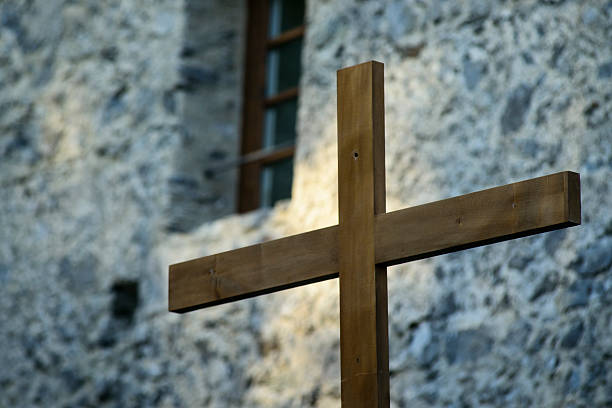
(368, 239)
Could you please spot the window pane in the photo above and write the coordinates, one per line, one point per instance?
(284, 67)
(285, 15)
(279, 126)
(274, 26)
(276, 181)
(292, 14)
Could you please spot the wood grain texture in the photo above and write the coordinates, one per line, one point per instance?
(572, 187)
(364, 356)
(484, 217)
(540, 204)
(254, 270)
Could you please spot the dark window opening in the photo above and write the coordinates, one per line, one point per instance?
(125, 299)
(272, 74)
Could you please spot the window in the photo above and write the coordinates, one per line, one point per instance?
(272, 73)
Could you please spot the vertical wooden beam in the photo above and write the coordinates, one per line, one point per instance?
(364, 340)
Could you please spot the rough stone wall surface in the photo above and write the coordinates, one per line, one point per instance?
(477, 94)
(86, 132)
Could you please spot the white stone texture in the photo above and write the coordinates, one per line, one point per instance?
(478, 94)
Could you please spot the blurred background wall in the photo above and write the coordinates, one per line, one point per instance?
(112, 111)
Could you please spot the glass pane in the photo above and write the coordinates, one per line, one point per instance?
(284, 65)
(274, 23)
(292, 14)
(276, 181)
(285, 15)
(279, 124)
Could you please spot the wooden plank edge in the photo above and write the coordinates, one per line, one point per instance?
(495, 240)
(572, 218)
(265, 291)
(294, 240)
(573, 210)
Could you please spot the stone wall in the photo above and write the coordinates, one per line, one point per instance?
(93, 119)
(477, 95)
(88, 133)
(203, 186)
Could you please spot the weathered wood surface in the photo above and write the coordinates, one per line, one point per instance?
(254, 270)
(484, 217)
(364, 349)
(540, 204)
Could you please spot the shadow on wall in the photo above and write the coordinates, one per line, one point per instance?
(208, 98)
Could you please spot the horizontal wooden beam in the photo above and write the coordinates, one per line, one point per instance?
(497, 214)
(484, 217)
(254, 270)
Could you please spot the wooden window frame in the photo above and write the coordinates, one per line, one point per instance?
(255, 102)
